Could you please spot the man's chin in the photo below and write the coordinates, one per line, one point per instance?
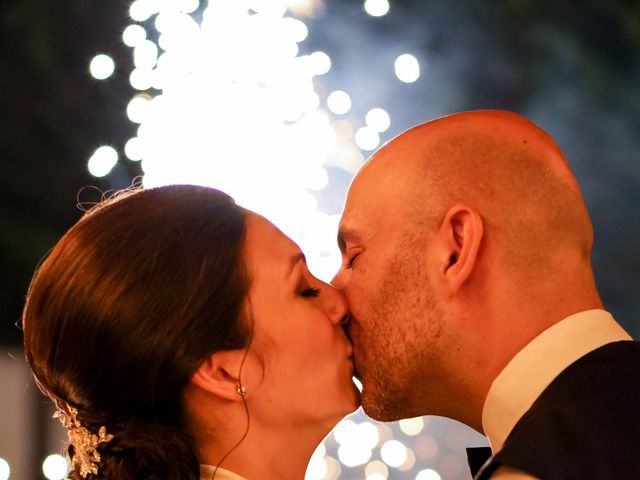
(378, 409)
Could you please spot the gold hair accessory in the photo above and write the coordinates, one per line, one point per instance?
(241, 389)
(85, 444)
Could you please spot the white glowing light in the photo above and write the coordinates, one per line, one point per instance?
(302, 7)
(102, 161)
(376, 467)
(138, 108)
(295, 28)
(188, 6)
(317, 467)
(378, 119)
(102, 67)
(145, 55)
(356, 442)
(141, 10)
(428, 474)
(344, 432)
(367, 138)
(352, 455)
(376, 476)
(5, 471)
(412, 426)
(409, 462)
(235, 108)
(269, 7)
(55, 467)
(393, 453)
(141, 79)
(133, 35)
(407, 68)
(134, 149)
(339, 102)
(321, 62)
(376, 8)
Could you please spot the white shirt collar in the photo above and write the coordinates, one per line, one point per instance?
(206, 473)
(533, 368)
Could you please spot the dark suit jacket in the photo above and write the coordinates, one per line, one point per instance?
(586, 423)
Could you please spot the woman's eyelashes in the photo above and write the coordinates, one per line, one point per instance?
(310, 292)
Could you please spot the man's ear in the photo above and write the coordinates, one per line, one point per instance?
(220, 374)
(462, 232)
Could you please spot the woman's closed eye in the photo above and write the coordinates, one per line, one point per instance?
(310, 292)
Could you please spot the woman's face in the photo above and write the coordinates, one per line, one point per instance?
(298, 336)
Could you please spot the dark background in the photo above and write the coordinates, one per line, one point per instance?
(572, 67)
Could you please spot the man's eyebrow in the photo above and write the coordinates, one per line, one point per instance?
(293, 261)
(344, 234)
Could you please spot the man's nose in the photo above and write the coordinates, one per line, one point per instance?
(338, 308)
(336, 281)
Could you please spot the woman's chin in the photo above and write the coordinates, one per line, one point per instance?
(350, 404)
(354, 401)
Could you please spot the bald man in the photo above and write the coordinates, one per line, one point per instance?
(466, 246)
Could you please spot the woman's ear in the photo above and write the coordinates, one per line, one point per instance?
(220, 375)
(462, 232)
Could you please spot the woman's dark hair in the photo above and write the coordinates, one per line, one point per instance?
(125, 308)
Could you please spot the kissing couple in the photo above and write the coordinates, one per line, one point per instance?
(181, 336)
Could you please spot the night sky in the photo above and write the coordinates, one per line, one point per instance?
(572, 67)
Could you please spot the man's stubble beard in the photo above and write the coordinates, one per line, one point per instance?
(404, 323)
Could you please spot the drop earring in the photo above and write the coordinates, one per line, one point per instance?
(241, 390)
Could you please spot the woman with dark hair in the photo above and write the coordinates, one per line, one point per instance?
(178, 333)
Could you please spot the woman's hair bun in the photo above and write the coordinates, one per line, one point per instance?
(149, 451)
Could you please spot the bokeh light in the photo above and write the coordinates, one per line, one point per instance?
(452, 466)
(5, 470)
(55, 467)
(357, 441)
(320, 62)
(407, 68)
(378, 119)
(138, 108)
(376, 8)
(376, 467)
(411, 426)
(134, 149)
(102, 66)
(133, 35)
(317, 467)
(393, 453)
(102, 161)
(427, 447)
(409, 461)
(428, 474)
(367, 138)
(141, 10)
(339, 102)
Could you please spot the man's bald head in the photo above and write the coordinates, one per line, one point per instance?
(463, 238)
(498, 162)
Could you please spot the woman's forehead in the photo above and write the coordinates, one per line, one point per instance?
(265, 243)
